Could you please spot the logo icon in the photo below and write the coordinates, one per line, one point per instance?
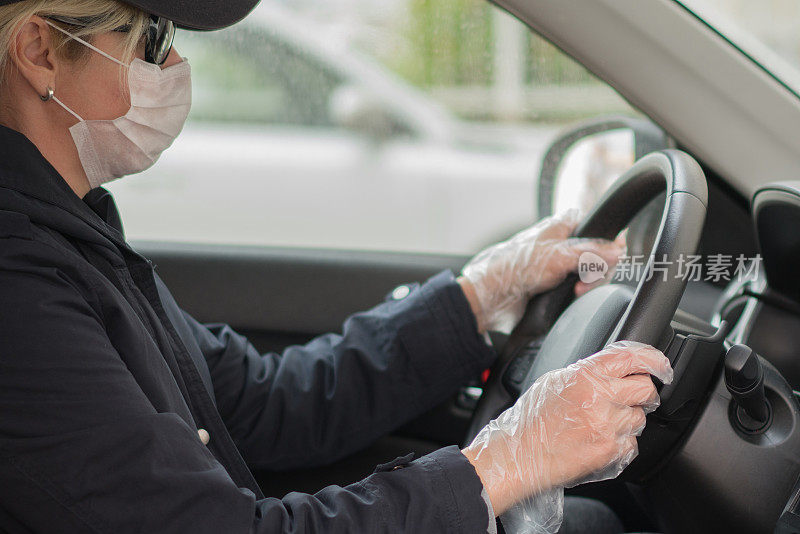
(591, 267)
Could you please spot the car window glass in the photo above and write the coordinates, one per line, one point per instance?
(244, 76)
(403, 125)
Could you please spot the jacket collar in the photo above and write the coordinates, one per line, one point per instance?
(38, 188)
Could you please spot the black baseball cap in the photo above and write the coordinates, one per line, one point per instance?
(191, 14)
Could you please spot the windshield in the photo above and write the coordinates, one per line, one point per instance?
(766, 30)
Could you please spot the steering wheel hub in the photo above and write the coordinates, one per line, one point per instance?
(583, 329)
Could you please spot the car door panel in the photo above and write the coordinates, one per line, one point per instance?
(287, 291)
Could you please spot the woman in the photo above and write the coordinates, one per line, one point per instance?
(120, 412)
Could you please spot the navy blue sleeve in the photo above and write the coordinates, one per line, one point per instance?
(82, 449)
(318, 402)
(439, 492)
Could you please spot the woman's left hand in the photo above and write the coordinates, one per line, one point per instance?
(499, 281)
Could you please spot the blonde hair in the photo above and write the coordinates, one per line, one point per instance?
(102, 15)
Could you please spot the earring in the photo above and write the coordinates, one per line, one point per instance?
(48, 96)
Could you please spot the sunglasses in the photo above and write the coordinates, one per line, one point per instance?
(159, 35)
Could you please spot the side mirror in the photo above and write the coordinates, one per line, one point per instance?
(586, 159)
(353, 108)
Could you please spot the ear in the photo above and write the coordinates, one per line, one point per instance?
(33, 55)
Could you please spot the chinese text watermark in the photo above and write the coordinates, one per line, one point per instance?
(691, 268)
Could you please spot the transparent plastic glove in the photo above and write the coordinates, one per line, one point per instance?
(573, 425)
(506, 275)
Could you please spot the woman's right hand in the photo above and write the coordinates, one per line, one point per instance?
(573, 425)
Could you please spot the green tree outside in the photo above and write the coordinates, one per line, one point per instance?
(450, 43)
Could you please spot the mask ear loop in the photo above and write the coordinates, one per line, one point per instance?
(63, 105)
(50, 95)
(65, 32)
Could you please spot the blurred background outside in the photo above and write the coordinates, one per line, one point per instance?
(395, 125)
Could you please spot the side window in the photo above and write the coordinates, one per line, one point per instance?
(410, 126)
(243, 76)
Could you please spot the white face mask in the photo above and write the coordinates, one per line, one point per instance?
(160, 103)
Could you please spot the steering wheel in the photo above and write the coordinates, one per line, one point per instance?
(554, 333)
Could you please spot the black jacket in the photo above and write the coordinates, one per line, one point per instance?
(105, 382)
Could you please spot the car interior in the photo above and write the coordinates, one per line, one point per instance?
(715, 176)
